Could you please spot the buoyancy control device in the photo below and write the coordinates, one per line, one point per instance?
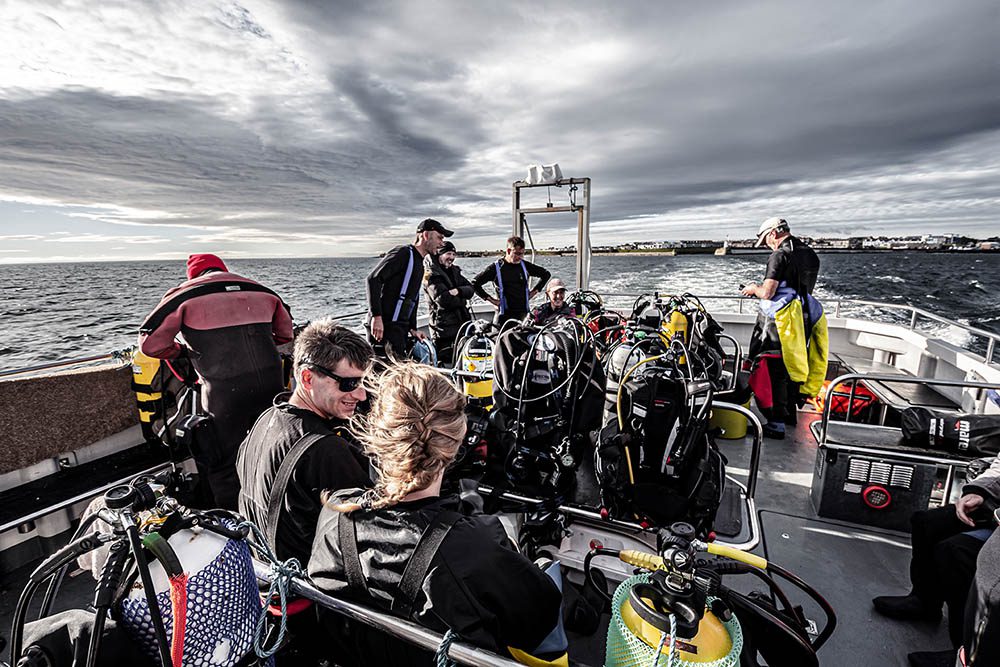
(547, 391)
(655, 459)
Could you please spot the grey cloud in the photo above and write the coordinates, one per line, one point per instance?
(717, 108)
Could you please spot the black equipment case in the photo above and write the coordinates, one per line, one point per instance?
(864, 474)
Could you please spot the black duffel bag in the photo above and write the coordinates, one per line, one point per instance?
(965, 434)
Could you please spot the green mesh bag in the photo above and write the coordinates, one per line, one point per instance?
(626, 650)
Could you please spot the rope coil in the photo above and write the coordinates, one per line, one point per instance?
(282, 574)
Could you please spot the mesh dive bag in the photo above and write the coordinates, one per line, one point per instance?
(624, 649)
(222, 603)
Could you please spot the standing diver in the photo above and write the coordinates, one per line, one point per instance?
(231, 327)
(789, 342)
(394, 291)
(448, 294)
(510, 275)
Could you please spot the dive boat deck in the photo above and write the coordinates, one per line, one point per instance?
(847, 563)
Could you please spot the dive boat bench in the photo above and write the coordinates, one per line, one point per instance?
(866, 473)
(895, 396)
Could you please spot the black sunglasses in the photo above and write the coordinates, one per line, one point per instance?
(346, 385)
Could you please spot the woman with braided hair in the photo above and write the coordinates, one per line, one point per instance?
(412, 552)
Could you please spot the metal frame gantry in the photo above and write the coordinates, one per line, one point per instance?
(583, 250)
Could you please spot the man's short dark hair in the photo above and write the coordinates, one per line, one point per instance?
(515, 242)
(326, 343)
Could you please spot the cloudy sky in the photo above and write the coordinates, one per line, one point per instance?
(141, 129)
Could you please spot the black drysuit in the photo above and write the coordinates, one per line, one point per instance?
(477, 585)
(334, 462)
(448, 311)
(511, 282)
(393, 288)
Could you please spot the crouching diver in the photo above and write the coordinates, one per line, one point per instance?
(427, 558)
(789, 344)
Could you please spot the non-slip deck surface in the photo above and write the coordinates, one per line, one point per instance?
(850, 565)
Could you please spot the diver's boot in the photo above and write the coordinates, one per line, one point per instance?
(932, 659)
(774, 430)
(906, 608)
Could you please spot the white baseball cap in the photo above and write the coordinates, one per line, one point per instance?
(555, 284)
(768, 226)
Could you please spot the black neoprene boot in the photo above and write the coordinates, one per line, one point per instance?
(906, 608)
(932, 659)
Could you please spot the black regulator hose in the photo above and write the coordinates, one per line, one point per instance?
(20, 612)
(588, 575)
(831, 615)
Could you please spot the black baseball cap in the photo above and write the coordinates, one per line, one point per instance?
(432, 225)
(447, 247)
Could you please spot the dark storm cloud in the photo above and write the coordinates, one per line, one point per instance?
(691, 120)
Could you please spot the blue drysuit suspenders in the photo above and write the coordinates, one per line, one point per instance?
(403, 288)
(503, 297)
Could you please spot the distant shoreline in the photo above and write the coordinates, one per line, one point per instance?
(677, 252)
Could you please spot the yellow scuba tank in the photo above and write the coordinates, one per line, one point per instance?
(477, 357)
(147, 385)
(710, 644)
(633, 641)
(675, 326)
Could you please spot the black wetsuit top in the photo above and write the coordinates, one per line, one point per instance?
(386, 284)
(514, 283)
(795, 263)
(334, 462)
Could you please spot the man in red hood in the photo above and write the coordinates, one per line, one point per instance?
(230, 328)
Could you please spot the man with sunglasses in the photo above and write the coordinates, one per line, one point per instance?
(301, 446)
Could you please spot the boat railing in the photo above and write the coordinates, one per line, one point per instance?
(912, 316)
(460, 652)
(121, 356)
(852, 379)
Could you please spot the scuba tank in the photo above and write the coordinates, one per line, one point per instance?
(477, 357)
(671, 613)
(148, 387)
(207, 592)
(712, 641)
(676, 326)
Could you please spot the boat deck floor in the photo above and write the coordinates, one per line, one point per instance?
(847, 563)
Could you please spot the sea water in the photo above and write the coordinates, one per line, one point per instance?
(52, 312)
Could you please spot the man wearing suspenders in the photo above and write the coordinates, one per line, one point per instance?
(510, 275)
(301, 446)
(394, 291)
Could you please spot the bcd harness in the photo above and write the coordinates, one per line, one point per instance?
(503, 296)
(417, 567)
(404, 289)
(283, 477)
(157, 317)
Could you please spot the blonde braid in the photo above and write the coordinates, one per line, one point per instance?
(413, 431)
